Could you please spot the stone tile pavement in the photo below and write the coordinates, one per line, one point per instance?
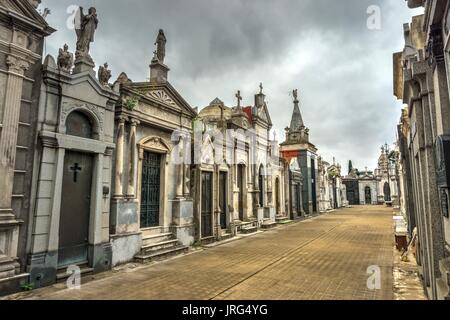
(321, 258)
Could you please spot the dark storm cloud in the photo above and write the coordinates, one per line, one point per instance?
(215, 47)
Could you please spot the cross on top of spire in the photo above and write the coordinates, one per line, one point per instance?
(239, 98)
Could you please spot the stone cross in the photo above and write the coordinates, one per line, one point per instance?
(239, 98)
(75, 168)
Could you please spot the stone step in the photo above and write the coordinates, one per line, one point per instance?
(207, 240)
(156, 238)
(281, 219)
(152, 231)
(249, 230)
(444, 266)
(269, 225)
(443, 289)
(226, 236)
(161, 254)
(153, 247)
(246, 223)
(85, 270)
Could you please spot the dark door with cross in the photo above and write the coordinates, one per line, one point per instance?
(75, 208)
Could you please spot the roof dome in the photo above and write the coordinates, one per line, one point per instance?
(214, 111)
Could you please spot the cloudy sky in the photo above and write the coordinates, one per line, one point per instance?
(343, 70)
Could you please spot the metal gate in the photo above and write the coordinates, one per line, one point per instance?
(151, 184)
(206, 204)
(223, 200)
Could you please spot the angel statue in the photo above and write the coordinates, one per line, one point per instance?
(85, 28)
(104, 74)
(65, 59)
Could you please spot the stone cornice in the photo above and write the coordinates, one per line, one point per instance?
(57, 77)
(25, 23)
(19, 52)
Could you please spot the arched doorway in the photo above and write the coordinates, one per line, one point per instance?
(76, 195)
(387, 192)
(277, 196)
(368, 195)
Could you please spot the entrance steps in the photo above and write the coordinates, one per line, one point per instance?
(247, 227)
(443, 283)
(282, 220)
(85, 270)
(225, 236)
(268, 224)
(157, 247)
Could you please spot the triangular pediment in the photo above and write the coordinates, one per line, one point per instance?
(264, 115)
(165, 95)
(161, 96)
(25, 9)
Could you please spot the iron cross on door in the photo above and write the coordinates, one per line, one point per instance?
(75, 168)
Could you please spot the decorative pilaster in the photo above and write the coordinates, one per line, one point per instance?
(132, 160)
(180, 171)
(119, 158)
(10, 126)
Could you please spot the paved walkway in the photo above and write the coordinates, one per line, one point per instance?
(322, 258)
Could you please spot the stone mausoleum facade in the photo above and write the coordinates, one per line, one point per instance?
(421, 82)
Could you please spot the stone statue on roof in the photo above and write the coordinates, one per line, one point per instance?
(104, 74)
(161, 46)
(65, 59)
(85, 29)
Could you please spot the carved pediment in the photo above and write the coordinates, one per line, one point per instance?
(262, 113)
(162, 97)
(156, 144)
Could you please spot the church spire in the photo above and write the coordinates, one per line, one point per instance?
(297, 120)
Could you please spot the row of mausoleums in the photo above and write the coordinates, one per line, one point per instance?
(97, 174)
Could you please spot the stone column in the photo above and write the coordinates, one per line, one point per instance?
(10, 125)
(180, 171)
(133, 160)
(119, 158)
(187, 167)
